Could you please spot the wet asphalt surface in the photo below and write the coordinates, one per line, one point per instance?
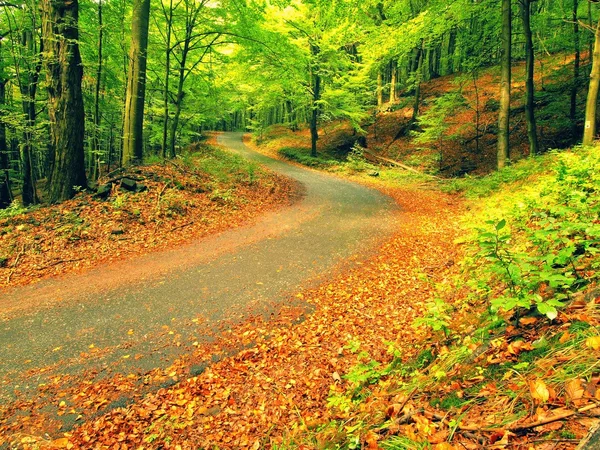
(154, 300)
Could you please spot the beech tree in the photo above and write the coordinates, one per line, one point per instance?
(505, 67)
(589, 132)
(525, 6)
(133, 144)
(64, 72)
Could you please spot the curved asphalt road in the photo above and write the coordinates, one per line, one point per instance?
(245, 271)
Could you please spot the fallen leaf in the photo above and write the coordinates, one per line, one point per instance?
(593, 342)
(539, 391)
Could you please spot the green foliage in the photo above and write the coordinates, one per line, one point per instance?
(303, 157)
(14, 209)
(403, 443)
(437, 318)
(548, 251)
(437, 120)
(356, 162)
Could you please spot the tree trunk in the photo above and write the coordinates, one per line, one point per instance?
(28, 89)
(316, 96)
(5, 190)
(379, 90)
(180, 94)
(169, 18)
(529, 83)
(576, 68)
(418, 79)
(133, 143)
(393, 82)
(64, 72)
(589, 132)
(95, 156)
(505, 62)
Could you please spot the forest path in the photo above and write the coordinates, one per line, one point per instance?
(142, 314)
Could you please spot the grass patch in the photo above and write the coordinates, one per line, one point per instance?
(302, 156)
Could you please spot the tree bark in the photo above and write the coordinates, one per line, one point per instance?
(316, 96)
(95, 156)
(64, 73)
(5, 190)
(505, 62)
(133, 143)
(379, 90)
(28, 88)
(576, 68)
(180, 93)
(393, 82)
(529, 82)
(589, 132)
(418, 79)
(169, 19)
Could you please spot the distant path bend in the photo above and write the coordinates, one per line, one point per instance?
(125, 307)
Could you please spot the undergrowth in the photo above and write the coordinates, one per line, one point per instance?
(515, 339)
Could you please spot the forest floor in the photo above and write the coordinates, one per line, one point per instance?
(280, 384)
(336, 376)
(201, 194)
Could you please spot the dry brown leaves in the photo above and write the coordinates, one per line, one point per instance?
(179, 205)
(280, 385)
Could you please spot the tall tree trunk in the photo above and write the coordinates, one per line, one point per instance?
(64, 72)
(379, 90)
(133, 143)
(393, 82)
(418, 79)
(5, 190)
(316, 96)
(180, 93)
(529, 83)
(505, 62)
(576, 68)
(169, 18)
(28, 93)
(589, 132)
(95, 156)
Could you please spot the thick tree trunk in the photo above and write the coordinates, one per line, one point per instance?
(505, 62)
(576, 68)
(5, 190)
(64, 72)
(529, 83)
(133, 143)
(589, 132)
(316, 96)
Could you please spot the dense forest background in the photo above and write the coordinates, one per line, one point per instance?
(87, 86)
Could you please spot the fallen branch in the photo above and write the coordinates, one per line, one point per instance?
(399, 164)
(60, 261)
(162, 191)
(119, 178)
(181, 226)
(527, 426)
(556, 418)
(14, 267)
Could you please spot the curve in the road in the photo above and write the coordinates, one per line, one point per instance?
(227, 276)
